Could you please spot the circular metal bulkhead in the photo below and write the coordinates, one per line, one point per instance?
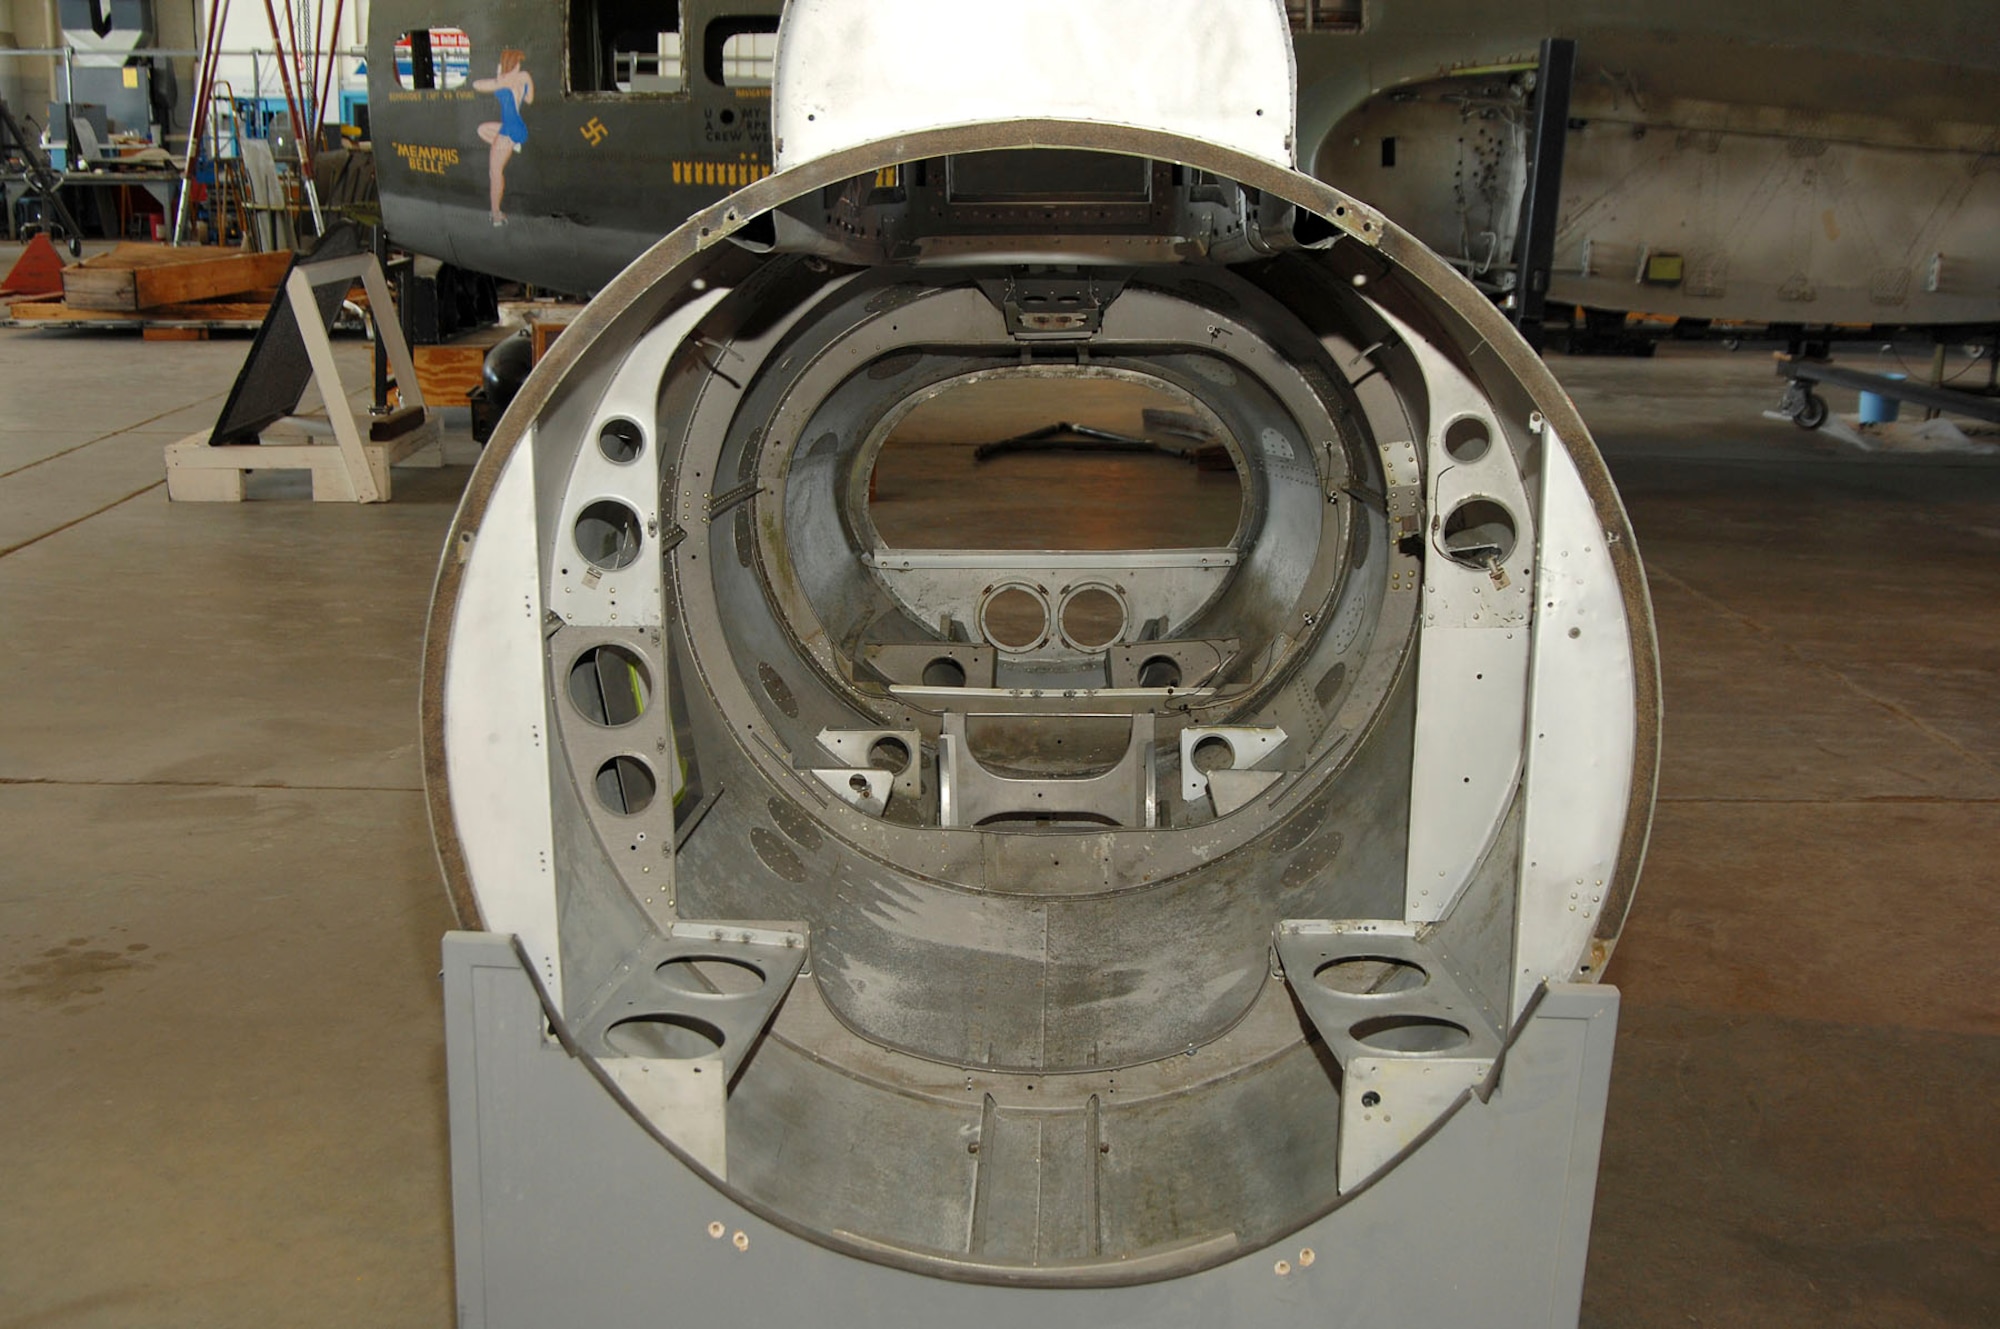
(1031, 902)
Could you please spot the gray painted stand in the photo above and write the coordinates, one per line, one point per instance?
(569, 1213)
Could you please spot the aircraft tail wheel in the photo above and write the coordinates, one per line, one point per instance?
(1812, 411)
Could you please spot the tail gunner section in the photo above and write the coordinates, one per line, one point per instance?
(1041, 915)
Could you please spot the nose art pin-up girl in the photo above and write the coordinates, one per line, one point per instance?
(513, 87)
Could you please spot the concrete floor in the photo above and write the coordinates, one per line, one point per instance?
(220, 1050)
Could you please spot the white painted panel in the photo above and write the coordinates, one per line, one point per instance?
(1471, 704)
(1582, 731)
(496, 723)
(848, 74)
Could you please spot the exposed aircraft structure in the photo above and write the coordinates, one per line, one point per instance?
(1183, 933)
(1774, 163)
(1784, 163)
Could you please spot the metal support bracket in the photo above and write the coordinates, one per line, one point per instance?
(1053, 308)
(969, 794)
(674, 1032)
(853, 748)
(862, 787)
(1251, 750)
(1409, 1039)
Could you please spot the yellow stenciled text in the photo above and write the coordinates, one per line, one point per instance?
(425, 159)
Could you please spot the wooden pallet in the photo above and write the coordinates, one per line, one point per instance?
(137, 277)
(53, 312)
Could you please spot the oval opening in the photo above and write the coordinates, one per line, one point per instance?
(1092, 618)
(1467, 439)
(1410, 1033)
(1161, 671)
(944, 672)
(1049, 821)
(664, 1037)
(1479, 533)
(890, 754)
(621, 441)
(1055, 458)
(1014, 619)
(1370, 976)
(1329, 683)
(609, 685)
(626, 785)
(608, 534)
(710, 976)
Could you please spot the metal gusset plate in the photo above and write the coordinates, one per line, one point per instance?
(1240, 768)
(1409, 1038)
(705, 990)
(897, 753)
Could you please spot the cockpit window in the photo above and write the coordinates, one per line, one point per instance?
(626, 46)
(740, 52)
(432, 58)
(1325, 15)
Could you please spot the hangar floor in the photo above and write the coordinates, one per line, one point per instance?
(220, 1064)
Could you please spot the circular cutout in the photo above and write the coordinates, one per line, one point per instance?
(1370, 976)
(1092, 618)
(889, 754)
(1014, 618)
(1479, 533)
(1213, 753)
(1467, 439)
(610, 685)
(710, 976)
(621, 441)
(1410, 1033)
(664, 1037)
(944, 672)
(1161, 671)
(608, 534)
(626, 785)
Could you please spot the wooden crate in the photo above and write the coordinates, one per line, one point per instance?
(542, 332)
(447, 373)
(136, 277)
